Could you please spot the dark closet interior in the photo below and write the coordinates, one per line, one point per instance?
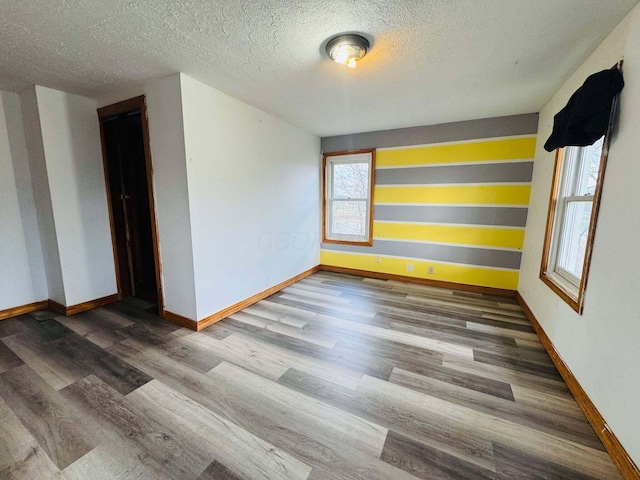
(128, 184)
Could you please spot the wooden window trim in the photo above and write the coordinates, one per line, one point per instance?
(369, 241)
(576, 304)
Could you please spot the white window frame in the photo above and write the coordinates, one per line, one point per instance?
(574, 166)
(330, 160)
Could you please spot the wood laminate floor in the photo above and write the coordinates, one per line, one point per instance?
(336, 377)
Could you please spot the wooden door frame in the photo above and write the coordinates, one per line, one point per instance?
(126, 106)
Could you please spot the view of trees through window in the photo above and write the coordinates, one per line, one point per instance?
(349, 199)
(584, 170)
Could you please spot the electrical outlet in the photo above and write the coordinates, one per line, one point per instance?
(430, 270)
(409, 267)
(377, 259)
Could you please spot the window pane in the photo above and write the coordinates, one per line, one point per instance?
(349, 217)
(588, 175)
(351, 180)
(575, 231)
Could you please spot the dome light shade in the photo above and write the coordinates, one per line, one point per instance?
(347, 49)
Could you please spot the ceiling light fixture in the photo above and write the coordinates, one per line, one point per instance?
(347, 49)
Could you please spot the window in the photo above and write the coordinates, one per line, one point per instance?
(348, 197)
(573, 210)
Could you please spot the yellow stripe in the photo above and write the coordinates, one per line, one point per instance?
(464, 235)
(469, 275)
(507, 149)
(459, 194)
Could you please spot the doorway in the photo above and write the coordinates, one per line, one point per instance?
(128, 178)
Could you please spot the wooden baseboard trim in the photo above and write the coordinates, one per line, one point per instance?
(56, 307)
(619, 455)
(180, 320)
(216, 317)
(81, 307)
(98, 302)
(22, 309)
(502, 292)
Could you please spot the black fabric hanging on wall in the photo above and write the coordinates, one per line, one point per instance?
(586, 117)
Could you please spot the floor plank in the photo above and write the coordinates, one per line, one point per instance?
(311, 336)
(22, 455)
(114, 461)
(537, 417)
(330, 425)
(58, 429)
(475, 424)
(164, 451)
(320, 368)
(8, 359)
(47, 366)
(512, 464)
(240, 451)
(217, 471)
(429, 463)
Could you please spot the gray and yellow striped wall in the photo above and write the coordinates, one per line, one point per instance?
(449, 199)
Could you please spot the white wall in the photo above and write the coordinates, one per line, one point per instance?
(73, 155)
(253, 197)
(62, 140)
(22, 276)
(601, 347)
(42, 195)
(166, 134)
(71, 140)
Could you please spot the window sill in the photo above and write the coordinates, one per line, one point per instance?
(571, 298)
(363, 243)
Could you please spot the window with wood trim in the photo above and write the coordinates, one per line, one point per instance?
(348, 181)
(571, 223)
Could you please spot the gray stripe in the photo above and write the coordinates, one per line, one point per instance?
(445, 132)
(444, 253)
(499, 216)
(486, 173)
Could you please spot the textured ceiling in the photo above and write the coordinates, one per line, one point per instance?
(432, 61)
